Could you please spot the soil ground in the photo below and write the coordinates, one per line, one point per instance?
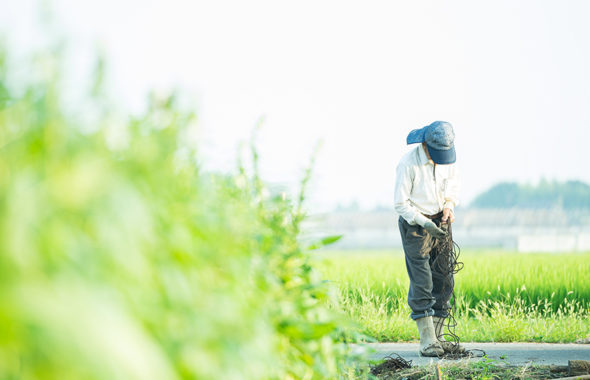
(501, 361)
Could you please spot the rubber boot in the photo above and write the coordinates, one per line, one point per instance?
(449, 347)
(429, 345)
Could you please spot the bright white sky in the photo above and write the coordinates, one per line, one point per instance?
(511, 76)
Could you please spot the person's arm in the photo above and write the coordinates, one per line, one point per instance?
(451, 194)
(403, 188)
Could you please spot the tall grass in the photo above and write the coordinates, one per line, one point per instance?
(500, 296)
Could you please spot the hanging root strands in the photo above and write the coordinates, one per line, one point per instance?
(446, 260)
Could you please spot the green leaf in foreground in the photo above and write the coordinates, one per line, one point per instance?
(324, 242)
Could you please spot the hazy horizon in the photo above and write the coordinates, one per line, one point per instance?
(511, 77)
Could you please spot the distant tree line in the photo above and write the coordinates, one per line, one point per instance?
(547, 194)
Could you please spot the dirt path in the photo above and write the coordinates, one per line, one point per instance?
(509, 353)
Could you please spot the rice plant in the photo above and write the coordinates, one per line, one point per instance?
(500, 296)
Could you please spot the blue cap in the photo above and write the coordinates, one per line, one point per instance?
(440, 141)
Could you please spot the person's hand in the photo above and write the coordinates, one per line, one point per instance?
(448, 216)
(434, 230)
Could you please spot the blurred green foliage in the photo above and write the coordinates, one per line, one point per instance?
(120, 259)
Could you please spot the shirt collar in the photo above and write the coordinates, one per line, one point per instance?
(422, 154)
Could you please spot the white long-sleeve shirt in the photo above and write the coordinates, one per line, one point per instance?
(422, 188)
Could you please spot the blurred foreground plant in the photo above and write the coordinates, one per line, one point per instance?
(119, 259)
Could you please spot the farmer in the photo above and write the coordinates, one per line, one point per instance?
(425, 195)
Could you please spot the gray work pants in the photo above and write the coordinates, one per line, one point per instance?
(430, 288)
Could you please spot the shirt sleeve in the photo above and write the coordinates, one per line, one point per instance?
(452, 189)
(403, 189)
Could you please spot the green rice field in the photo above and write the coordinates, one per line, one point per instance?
(501, 296)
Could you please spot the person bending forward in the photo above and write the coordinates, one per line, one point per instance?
(426, 192)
